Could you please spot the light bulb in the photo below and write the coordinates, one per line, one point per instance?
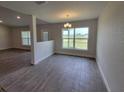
(70, 25)
(65, 25)
(18, 17)
(1, 21)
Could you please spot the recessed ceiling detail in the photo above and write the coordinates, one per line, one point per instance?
(55, 11)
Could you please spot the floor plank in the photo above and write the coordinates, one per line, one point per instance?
(60, 73)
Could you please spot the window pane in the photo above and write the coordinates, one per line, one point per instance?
(65, 38)
(29, 41)
(68, 38)
(81, 43)
(71, 38)
(75, 38)
(65, 43)
(65, 34)
(29, 35)
(81, 38)
(26, 40)
(24, 34)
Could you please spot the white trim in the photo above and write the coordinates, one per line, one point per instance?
(67, 53)
(5, 48)
(40, 60)
(74, 38)
(75, 49)
(104, 79)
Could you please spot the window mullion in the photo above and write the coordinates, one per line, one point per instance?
(74, 39)
(68, 38)
(28, 41)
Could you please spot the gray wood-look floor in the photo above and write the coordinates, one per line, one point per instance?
(56, 73)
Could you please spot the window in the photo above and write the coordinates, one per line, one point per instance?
(45, 36)
(68, 40)
(75, 38)
(26, 39)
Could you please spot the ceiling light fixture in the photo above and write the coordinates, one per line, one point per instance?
(1, 21)
(18, 17)
(67, 24)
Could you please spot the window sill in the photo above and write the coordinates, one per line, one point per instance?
(26, 45)
(75, 49)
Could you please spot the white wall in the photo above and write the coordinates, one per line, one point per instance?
(55, 34)
(44, 28)
(43, 50)
(16, 37)
(10, 37)
(5, 37)
(39, 50)
(110, 46)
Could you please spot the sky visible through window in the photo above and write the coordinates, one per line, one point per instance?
(81, 31)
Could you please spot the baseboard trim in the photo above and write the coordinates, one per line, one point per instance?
(40, 60)
(21, 49)
(75, 55)
(5, 49)
(104, 79)
(15, 49)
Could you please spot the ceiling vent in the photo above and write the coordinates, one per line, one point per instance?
(40, 2)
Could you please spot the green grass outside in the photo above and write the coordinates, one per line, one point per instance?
(79, 43)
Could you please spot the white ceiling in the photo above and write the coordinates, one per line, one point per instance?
(55, 11)
(9, 18)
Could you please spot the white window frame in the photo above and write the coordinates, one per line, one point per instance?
(74, 40)
(28, 39)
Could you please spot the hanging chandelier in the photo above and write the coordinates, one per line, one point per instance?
(67, 24)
